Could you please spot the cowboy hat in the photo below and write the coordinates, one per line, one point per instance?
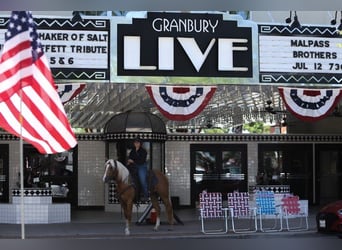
(137, 139)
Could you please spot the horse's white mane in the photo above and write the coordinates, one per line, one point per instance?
(123, 172)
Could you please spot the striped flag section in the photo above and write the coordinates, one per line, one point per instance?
(68, 91)
(180, 103)
(30, 106)
(310, 104)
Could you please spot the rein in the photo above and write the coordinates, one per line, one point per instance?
(125, 189)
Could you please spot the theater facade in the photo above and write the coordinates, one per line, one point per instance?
(183, 49)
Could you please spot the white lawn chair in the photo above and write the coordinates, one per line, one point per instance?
(213, 216)
(268, 211)
(239, 208)
(295, 214)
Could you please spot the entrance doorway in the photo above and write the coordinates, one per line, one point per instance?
(58, 171)
(329, 173)
(4, 195)
(218, 168)
(287, 164)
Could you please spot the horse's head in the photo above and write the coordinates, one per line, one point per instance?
(109, 171)
(116, 171)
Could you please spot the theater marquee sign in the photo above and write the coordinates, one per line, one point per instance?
(312, 54)
(184, 44)
(75, 51)
(187, 48)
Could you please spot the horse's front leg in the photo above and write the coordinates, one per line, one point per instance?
(127, 207)
(127, 230)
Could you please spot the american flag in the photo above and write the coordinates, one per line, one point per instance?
(30, 106)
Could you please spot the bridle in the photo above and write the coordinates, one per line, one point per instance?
(115, 166)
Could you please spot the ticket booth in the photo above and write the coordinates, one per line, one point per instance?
(119, 133)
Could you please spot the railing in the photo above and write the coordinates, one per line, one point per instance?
(227, 176)
(275, 188)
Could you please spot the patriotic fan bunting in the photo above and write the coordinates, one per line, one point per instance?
(180, 102)
(310, 104)
(68, 91)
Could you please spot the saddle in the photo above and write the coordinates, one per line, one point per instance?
(151, 182)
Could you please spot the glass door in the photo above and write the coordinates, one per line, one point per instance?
(287, 164)
(329, 173)
(206, 174)
(4, 195)
(218, 168)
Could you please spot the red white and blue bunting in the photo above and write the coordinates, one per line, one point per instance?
(68, 91)
(310, 104)
(180, 103)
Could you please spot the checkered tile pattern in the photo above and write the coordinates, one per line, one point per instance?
(32, 192)
(265, 202)
(239, 202)
(290, 205)
(211, 204)
(112, 198)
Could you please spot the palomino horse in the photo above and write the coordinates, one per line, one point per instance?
(116, 171)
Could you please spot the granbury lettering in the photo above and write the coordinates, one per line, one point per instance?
(184, 25)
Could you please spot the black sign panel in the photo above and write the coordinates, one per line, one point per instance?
(184, 44)
(75, 51)
(310, 54)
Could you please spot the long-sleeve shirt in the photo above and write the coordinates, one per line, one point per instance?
(138, 156)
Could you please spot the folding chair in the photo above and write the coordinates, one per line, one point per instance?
(267, 210)
(211, 211)
(238, 204)
(293, 211)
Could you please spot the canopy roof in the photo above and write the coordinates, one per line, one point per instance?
(135, 121)
(231, 105)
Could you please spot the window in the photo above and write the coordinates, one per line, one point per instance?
(4, 169)
(271, 170)
(286, 164)
(218, 168)
(55, 171)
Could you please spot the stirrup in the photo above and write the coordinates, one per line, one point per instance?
(144, 199)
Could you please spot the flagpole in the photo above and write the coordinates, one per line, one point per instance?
(21, 172)
(23, 51)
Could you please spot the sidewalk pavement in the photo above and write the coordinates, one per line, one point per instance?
(98, 224)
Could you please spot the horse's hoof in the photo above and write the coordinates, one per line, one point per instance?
(127, 232)
(155, 229)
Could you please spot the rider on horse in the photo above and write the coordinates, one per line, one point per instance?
(137, 161)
